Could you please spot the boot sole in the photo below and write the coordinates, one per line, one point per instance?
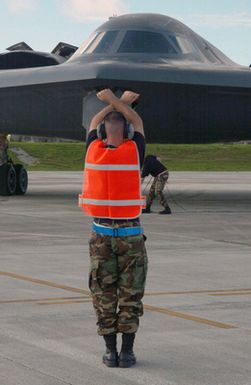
(126, 364)
(111, 364)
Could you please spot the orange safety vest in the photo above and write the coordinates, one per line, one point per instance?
(111, 187)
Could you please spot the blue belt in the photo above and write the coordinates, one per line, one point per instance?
(117, 232)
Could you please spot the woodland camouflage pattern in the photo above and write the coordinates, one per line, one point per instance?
(3, 149)
(156, 190)
(117, 277)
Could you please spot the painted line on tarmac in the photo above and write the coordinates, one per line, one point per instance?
(217, 292)
(147, 307)
(232, 293)
(86, 292)
(39, 299)
(43, 282)
(66, 302)
(191, 237)
(190, 317)
(10, 235)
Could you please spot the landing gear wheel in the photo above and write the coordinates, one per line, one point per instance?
(22, 179)
(8, 180)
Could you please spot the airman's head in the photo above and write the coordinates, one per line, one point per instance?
(115, 124)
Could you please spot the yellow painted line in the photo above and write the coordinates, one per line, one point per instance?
(236, 293)
(189, 317)
(37, 299)
(196, 292)
(43, 282)
(63, 302)
(86, 292)
(147, 307)
(158, 310)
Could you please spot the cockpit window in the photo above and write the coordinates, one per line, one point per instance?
(182, 44)
(145, 42)
(102, 42)
(87, 44)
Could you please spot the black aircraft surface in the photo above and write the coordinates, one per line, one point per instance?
(21, 55)
(190, 91)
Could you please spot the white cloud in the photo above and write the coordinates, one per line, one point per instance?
(91, 10)
(240, 19)
(21, 5)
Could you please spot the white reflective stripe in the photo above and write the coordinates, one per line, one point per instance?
(112, 167)
(110, 202)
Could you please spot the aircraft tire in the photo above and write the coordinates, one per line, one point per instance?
(22, 179)
(8, 179)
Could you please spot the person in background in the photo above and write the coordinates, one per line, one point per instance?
(4, 144)
(152, 165)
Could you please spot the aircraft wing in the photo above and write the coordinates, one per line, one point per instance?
(173, 73)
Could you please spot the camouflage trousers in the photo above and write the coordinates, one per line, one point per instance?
(156, 190)
(118, 268)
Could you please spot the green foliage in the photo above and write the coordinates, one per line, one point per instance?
(177, 157)
(54, 156)
(203, 157)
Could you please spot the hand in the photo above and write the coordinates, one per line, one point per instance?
(105, 95)
(129, 97)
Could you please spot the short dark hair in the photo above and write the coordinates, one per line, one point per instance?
(116, 115)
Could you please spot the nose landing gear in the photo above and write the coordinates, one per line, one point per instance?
(13, 179)
(21, 179)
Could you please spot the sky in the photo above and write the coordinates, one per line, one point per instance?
(43, 23)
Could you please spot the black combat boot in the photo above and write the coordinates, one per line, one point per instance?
(147, 210)
(126, 356)
(167, 210)
(110, 358)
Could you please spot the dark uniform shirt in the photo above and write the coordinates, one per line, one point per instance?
(152, 166)
(139, 139)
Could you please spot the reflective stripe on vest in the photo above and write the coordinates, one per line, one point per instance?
(112, 167)
(111, 187)
(109, 202)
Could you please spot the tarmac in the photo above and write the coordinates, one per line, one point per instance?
(196, 329)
